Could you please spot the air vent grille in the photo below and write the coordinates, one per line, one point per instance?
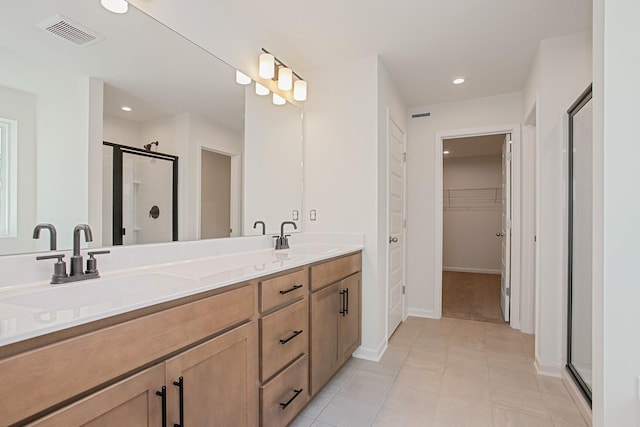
(73, 32)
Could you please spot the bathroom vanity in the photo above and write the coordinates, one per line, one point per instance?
(245, 340)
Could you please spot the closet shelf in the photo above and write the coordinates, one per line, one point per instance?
(472, 198)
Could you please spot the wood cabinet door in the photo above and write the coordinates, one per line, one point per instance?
(219, 381)
(325, 307)
(132, 401)
(350, 321)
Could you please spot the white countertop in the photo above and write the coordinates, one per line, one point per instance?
(28, 311)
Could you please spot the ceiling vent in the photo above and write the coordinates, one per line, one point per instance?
(63, 27)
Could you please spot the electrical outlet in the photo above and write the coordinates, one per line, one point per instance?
(312, 215)
(295, 215)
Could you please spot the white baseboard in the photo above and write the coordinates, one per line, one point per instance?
(428, 314)
(471, 270)
(548, 370)
(578, 398)
(373, 354)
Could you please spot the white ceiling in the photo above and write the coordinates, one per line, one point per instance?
(424, 44)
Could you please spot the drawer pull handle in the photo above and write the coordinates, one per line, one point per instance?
(180, 385)
(295, 334)
(345, 302)
(163, 395)
(290, 290)
(297, 393)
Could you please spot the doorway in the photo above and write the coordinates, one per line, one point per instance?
(515, 225)
(476, 181)
(215, 195)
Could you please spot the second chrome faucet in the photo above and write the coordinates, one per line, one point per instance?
(282, 241)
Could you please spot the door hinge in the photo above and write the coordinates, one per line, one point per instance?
(508, 292)
(404, 223)
(508, 157)
(509, 224)
(404, 156)
(404, 289)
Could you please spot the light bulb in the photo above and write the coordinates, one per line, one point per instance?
(300, 90)
(458, 81)
(278, 100)
(115, 6)
(261, 90)
(285, 78)
(267, 66)
(242, 79)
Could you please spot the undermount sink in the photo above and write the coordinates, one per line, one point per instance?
(103, 291)
(311, 250)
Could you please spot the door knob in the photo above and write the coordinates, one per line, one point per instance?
(393, 239)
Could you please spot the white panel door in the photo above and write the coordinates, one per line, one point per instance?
(396, 226)
(506, 228)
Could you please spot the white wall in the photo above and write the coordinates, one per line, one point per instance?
(272, 159)
(561, 72)
(345, 130)
(421, 169)
(616, 172)
(61, 145)
(469, 228)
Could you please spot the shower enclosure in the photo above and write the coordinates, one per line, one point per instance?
(580, 242)
(144, 195)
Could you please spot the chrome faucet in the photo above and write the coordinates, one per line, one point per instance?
(76, 272)
(76, 259)
(264, 227)
(282, 241)
(53, 235)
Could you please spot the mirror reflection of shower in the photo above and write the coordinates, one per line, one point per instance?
(143, 184)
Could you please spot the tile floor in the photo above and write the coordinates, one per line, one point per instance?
(445, 373)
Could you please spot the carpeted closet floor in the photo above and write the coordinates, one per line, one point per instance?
(471, 296)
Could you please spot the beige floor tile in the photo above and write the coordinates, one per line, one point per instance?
(465, 388)
(468, 342)
(514, 347)
(384, 367)
(506, 417)
(416, 322)
(463, 413)
(419, 378)
(512, 379)
(317, 404)
(472, 371)
(392, 418)
(515, 363)
(345, 412)
(422, 360)
(434, 339)
(435, 353)
(335, 384)
(366, 386)
(563, 410)
(463, 356)
(321, 424)
(407, 399)
(496, 329)
(555, 386)
(468, 327)
(301, 422)
(530, 401)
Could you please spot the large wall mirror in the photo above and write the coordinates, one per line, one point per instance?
(580, 280)
(68, 69)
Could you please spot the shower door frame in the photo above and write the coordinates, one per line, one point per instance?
(585, 389)
(118, 151)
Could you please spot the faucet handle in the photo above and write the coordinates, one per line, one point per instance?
(59, 268)
(92, 262)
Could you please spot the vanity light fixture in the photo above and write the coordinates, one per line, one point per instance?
(261, 90)
(115, 6)
(273, 68)
(242, 79)
(125, 108)
(278, 100)
(458, 81)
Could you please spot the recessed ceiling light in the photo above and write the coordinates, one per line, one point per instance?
(125, 108)
(115, 6)
(458, 81)
(446, 152)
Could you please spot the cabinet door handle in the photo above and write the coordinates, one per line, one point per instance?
(346, 304)
(291, 289)
(295, 334)
(343, 309)
(163, 395)
(180, 385)
(297, 393)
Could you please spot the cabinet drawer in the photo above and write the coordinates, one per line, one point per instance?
(283, 289)
(283, 397)
(284, 336)
(332, 271)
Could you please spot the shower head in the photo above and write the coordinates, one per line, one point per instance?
(148, 146)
